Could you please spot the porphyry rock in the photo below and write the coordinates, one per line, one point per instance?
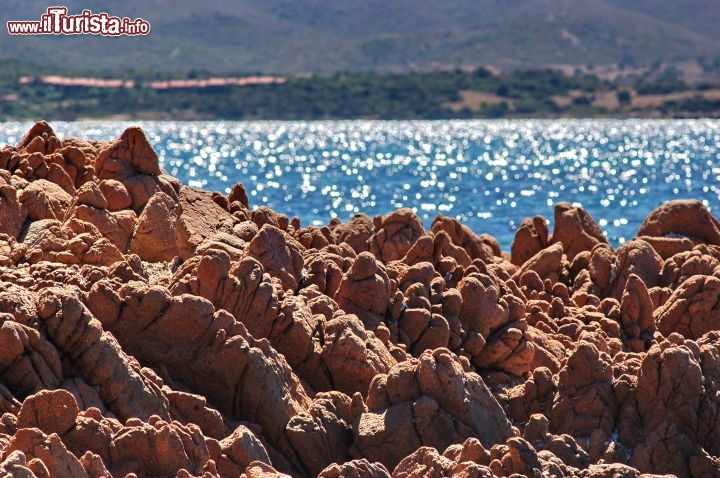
(530, 238)
(693, 309)
(129, 154)
(463, 237)
(45, 200)
(395, 234)
(280, 255)
(12, 211)
(198, 217)
(355, 469)
(150, 329)
(430, 401)
(154, 238)
(365, 290)
(575, 229)
(685, 217)
(51, 411)
(356, 232)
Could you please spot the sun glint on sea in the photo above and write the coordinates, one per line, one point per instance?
(488, 174)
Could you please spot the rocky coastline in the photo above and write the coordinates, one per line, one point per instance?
(151, 329)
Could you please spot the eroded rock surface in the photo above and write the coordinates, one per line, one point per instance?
(151, 329)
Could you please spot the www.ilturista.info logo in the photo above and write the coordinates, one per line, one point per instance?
(57, 22)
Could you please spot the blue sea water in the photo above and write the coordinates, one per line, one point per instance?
(488, 174)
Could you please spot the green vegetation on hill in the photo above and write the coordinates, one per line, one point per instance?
(290, 36)
(435, 95)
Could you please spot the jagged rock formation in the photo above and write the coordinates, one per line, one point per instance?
(150, 328)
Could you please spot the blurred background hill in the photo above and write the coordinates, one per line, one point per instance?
(605, 37)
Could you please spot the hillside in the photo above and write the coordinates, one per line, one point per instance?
(287, 36)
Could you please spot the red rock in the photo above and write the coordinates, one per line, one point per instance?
(39, 131)
(231, 244)
(262, 470)
(244, 448)
(190, 408)
(463, 237)
(684, 217)
(94, 465)
(92, 433)
(639, 258)
(76, 242)
(97, 356)
(389, 436)
(352, 355)
(420, 326)
(575, 229)
(669, 395)
(242, 289)
(325, 270)
(264, 215)
(8, 402)
(667, 247)
(154, 238)
(614, 470)
(198, 218)
(585, 403)
(534, 396)
(425, 461)
(395, 234)
(693, 309)
(227, 362)
(157, 449)
(323, 435)
(548, 263)
(709, 429)
(15, 464)
(355, 469)
(12, 212)
(521, 458)
(530, 238)
(280, 255)
(356, 232)
(115, 227)
(432, 403)
(444, 247)
(680, 267)
(90, 194)
(238, 193)
(636, 314)
(491, 317)
(365, 290)
(49, 450)
(116, 195)
(45, 200)
(314, 237)
(129, 154)
(29, 361)
(256, 345)
(50, 411)
(597, 276)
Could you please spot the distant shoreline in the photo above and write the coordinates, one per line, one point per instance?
(29, 92)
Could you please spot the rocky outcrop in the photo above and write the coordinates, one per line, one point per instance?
(395, 234)
(693, 309)
(150, 329)
(365, 290)
(429, 401)
(684, 217)
(575, 230)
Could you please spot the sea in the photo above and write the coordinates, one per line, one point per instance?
(489, 174)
